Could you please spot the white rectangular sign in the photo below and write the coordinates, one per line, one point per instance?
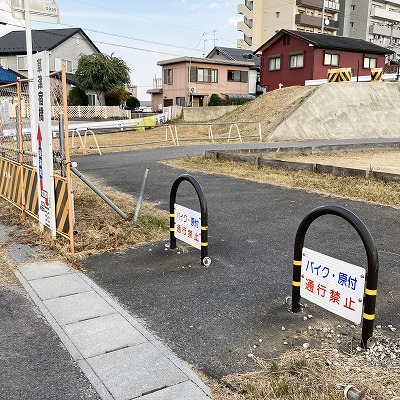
(41, 82)
(332, 284)
(187, 225)
(40, 10)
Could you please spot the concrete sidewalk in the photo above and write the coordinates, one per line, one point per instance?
(120, 358)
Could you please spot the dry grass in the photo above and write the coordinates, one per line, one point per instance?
(309, 375)
(349, 187)
(99, 228)
(7, 266)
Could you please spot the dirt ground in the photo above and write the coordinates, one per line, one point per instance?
(383, 161)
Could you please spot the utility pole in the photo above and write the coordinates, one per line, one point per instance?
(323, 17)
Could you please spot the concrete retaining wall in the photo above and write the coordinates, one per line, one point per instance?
(200, 114)
(345, 111)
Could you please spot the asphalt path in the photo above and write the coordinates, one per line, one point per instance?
(33, 362)
(214, 317)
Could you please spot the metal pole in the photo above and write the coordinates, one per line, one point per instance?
(97, 191)
(29, 59)
(67, 159)
(62, 143)
(139, 202)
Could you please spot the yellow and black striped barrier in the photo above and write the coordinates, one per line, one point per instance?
(10, 181)
(62, 207)
(12, 190)
(30, 191)
(376, 74)
(339, 75)
(372, 260)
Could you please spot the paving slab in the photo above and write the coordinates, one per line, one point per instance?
(59, 286)
(43, 269)
(78, 307)
(103, 334)
(135, 371)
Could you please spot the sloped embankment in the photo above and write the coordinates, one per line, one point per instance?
(270, 109)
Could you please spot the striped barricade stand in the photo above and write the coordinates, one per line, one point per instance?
(376, 74)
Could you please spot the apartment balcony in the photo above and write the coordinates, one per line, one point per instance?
(385, 31)
(315, 22)
(315, 4)
(242, 27)
(386, 15)
(247, 13)
(330, 6)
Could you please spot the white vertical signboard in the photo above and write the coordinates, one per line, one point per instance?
(41, 83)
(332, 284)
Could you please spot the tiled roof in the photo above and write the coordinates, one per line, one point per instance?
(236, 54)
(46, 39)
(7, 76)
(331, 42)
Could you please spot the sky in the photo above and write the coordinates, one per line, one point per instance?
(144, 32)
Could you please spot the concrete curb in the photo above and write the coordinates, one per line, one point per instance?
(246, 156)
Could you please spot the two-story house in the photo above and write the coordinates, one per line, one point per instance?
(65, 47)
(190, 81)
(290, 57)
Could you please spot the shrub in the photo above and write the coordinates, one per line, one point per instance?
(215, 100)
(132, 103)
(77, 97)
(116, 96)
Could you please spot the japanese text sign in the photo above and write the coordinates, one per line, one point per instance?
(187, 225)
(332, 284)
(41, 82)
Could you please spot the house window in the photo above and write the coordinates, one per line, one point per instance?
(237, 76)
(286, 40)
(168, 76)
(4, 62)
(59, 62)
(331, 59)
(214, 76)
(22, 63)
(92, 99)
(168, 102)
(180, 101)
(203, 74)
(370, 62)
(296, 61)
(274, 63)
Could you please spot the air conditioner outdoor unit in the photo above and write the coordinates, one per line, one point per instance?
(192, 90)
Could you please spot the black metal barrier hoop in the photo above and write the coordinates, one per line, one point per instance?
(372, 260)
(205, 260)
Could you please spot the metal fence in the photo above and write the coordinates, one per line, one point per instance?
(18, 159)
(15, 135)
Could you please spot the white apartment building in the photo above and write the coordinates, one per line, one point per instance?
(263, 18)
(377, 21)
